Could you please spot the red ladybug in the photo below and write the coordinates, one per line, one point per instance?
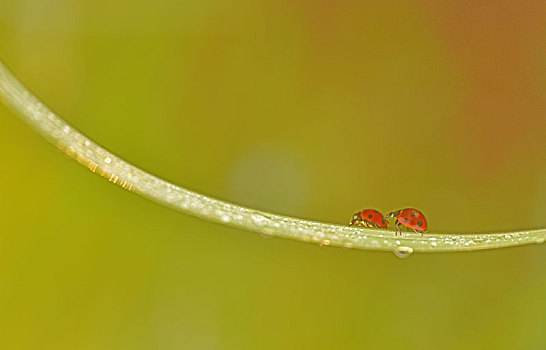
(409, 217)
(368, 218)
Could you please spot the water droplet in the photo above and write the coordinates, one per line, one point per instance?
(223, 216)
(325, 242)
(267, 233)
(347, 245)
(403, 252)
(107, 160)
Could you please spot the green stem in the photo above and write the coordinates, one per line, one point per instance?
(99, 160)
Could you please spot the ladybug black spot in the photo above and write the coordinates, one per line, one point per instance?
(419, 223)
(406, 219)
(370, 216)
(412, 213)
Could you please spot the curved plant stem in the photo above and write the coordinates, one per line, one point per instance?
(102, 162)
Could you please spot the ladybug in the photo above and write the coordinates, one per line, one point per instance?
(368, 218)
(409, 217)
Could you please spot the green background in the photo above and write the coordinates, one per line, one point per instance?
(315, 109)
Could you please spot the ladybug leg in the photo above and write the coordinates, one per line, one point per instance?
(397, 228)
(419, 232)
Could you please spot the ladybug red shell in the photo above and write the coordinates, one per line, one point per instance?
(409, 217)
(368, 218)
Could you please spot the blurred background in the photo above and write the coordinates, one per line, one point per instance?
(315, 109)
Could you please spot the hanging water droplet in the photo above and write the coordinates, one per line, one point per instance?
(347, 245)
(266, 233)
(403, 252)
(325, 242)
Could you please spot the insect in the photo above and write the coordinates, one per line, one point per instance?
(368, 218)
(409, 217)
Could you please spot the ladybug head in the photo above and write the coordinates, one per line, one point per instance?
(356, 219)
(393, 214)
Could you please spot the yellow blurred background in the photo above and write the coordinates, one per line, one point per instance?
(315, 109)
